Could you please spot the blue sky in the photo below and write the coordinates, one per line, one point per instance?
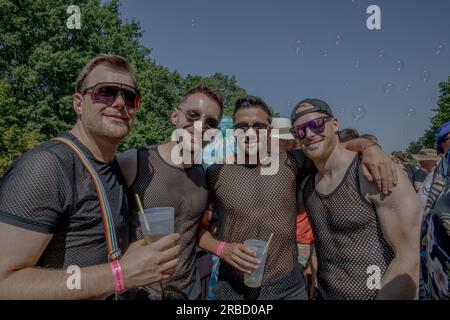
(286, 50)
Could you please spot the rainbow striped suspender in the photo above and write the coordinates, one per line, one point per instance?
(114, 252)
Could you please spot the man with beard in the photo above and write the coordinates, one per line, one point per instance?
(63, 205)
(156, 176)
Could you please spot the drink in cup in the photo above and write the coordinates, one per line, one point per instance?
(159, 220)
(254, 279)
(160, 223)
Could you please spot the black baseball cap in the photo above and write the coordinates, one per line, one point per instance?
(318, 106)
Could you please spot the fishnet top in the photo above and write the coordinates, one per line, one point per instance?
(252, 206)
(348, 237)
(160, 184)
(48, 190)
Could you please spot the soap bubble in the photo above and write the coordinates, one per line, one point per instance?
(358, 113)
(410, 112)
(325, 53)
(398, 65)
(338, 40)
(193, 22)
(408, 87)
(425, 75)
(388, 87)
(298, 46)
(380, 54)
(357, 64)
(439, 49)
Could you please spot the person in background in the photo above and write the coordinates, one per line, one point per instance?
(348, 134)
(428, 160)
(435, 244)
(370, 137)
(443, 145)
(400, 158)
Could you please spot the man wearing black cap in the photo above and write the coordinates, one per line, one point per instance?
(367, 243)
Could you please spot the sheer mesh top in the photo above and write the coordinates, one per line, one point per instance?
(160, 184)
(252, 206)
(49, 190)
(348, 236)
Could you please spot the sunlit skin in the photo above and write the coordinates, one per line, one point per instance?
(319, 146)
(251, 116)
(107, 125)
(207, 107)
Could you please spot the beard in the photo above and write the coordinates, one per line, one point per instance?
(108, 128)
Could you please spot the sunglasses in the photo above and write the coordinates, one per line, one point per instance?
(317, 126)
(256, 126)
(107, 92)
(194, 115)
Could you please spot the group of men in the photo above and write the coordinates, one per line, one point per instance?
(70, 201)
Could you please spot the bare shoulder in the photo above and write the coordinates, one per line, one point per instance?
(402, 195)
(128, 162)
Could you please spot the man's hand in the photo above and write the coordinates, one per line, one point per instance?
(240, 257)
(145, 264)
(379, 167)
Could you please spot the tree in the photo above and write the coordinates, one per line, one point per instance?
(40, 59)
(428, 140)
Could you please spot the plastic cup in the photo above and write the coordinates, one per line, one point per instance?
(160, 221)
(254, 279)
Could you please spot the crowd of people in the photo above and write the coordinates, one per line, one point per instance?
(344, 219)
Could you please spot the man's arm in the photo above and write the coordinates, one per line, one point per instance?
(377, 165)
(400, 215)
(235, 254)
(20, 250)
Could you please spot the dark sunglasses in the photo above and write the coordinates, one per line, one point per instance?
(194, 115)
(256, 126)
(107, 92)
(317, 126)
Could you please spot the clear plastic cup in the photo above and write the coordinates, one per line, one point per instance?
(254, 279)
(160, 221)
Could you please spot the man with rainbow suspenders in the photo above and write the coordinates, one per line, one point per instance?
(64, 226)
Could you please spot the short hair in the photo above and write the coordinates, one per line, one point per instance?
(370, 137)
(248, 102)
(115, 61)
(348, 134)
(211, 93)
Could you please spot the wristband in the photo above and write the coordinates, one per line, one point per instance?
(118, 277)
(219, 248)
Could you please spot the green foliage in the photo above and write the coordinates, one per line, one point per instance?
(40, 59)
(428, 140)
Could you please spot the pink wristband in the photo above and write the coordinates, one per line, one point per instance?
(118, 277)
(219, 248)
